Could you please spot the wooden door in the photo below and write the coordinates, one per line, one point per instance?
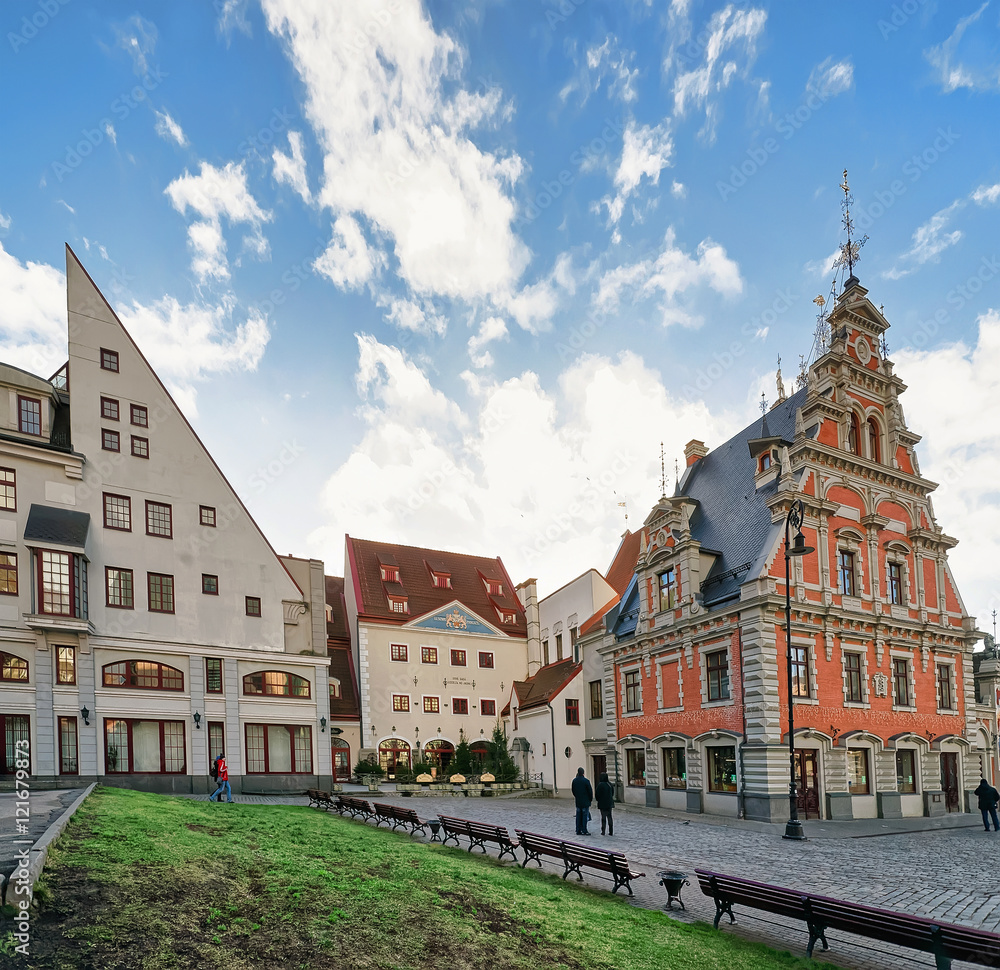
(600, 766)
(949, 781)
(807, 783)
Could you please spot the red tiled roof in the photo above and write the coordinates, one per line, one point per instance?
(546, 683)
(598, 616)
(336, 626)
(345, 707)
(468, 575)
(619, 573)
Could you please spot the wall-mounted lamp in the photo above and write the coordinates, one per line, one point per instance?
(322, 723)
(197, 719)
(86, 715)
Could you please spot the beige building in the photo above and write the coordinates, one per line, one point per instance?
(146, 624)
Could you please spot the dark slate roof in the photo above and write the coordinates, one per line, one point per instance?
(62, 527)
(624, 618)
(732, 516)
(336, 627)
(345, 707)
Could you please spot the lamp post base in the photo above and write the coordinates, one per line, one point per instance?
(793, 830)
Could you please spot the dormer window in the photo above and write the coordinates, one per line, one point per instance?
(506, 617)
(390, 574)
(441, 580)
(494, 587)
(398, 604)
(29, 415)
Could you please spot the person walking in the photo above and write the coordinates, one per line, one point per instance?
(988, 798)
(605, 795)
(222, 779)
(584, 795)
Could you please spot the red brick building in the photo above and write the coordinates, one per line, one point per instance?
(882, 676)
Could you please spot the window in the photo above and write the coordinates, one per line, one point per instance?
(488, 708)
(494, 587)
(901, 681)
(118, 587)
(635, 764)
(857, 771)
(14, 728)
(109, 360)
(109, 409)
(852, 669)
(853, 435)
(213, 675)
(253, 605)
(336, 693)
(397, 651)
(674, 768)
(159, 520)
(800, 671)
(596, 699)
(29, 415)
(140, 416)
(668, 589)
(65, 665)
(13, 668)
(572, 711)
(458, 658)
(441, 580)
(140, 447)
(545, 653)
(161, 592)
(216, 741)
(765, 462)
(845, 571)
(906, 776)
(69, 760)
(722, 769)
(945, 700)
(8, 573)
(558, 646)
(156, 747)
(895, 584)
(209, 584)
(431, 705)
(874, 441)
(62, 584)
(633, 692)
(279, 749)
(486, 659)
(110, 440)
(206, 516)
(428, 655)
(8, 489)
(390, 574)
(460, 705)
(506, 616)
(142, 675)
(717, 669)
(117, 512)
(400, 702)
(276, 683)
(397, 604)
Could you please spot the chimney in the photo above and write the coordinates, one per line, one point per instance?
(528, 595)
(694, 450)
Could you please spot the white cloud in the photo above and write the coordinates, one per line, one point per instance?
(953, 75)
(678, 190)
(460, 483)
(929, 241)
(986, 194)
(730, 52)
(668, 276)
(169, 129)
(348, 261)
(5, 221)
(645, 152)
(64, 203)
(137, 37)
(492, 328)
(109, 130)
(534, 305)
(396, 144)
(599, 63)
(410, 315)
(828, 79)
(213, 194)
(292, 168)
(233, 16)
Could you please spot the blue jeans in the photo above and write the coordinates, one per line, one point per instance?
(582, 816)
(223, 787)
(987, 814)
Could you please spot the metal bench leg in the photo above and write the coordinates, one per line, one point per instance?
(942, 958)
(504, 849)
(723, 906)
(572, 867)
(622, 881)
(474, 842)
(528, 857)
(451, 836)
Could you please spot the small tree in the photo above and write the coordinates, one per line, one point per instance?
(498, 758)
(461, 764)
(368, 767)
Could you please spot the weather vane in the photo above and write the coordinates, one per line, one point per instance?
(763, 403)
(663, 472)
(850, 251)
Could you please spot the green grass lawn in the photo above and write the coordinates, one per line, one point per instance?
(148, 881)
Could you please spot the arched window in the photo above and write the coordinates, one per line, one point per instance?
(478, 751)
(853, 435)
(393, 756)
(341, 760)
(13, 668)
(874, 440)
(439, 752)
(142, 675)
(276, 683)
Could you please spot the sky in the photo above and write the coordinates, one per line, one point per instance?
(448, 273)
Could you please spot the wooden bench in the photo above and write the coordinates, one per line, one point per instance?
(397, 816)
(478, 834)
(945, 941)
(320, 799)
(356, 806)
(576, 857)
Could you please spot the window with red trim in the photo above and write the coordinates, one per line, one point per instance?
(276, 683)
(29, 415)
(206, 516)
(432, 705)
(142, 675)
(161, 592)
(253, 605)
(8, 573)
(398, 651)
(109, 360)
(159, 520)
(460, 705)
(572, 711)
(428, 655)
(486, 659)
(488, 708)
(8, 489)
(109, 409)
(117, 512)
(118, 587)
(140, 447)
(134, 746)
(458, 658)
(278, 749)
(139, 416)
(110, 440)
(400, 703)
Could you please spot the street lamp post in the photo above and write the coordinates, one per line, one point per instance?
(793, 829)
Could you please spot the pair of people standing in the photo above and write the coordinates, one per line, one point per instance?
(583, 794)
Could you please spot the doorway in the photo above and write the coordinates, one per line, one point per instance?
(807, 783)
(949, 781)
(600, 766)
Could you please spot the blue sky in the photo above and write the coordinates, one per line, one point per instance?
(448, 273)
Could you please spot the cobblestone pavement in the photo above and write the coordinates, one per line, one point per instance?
(947, 874)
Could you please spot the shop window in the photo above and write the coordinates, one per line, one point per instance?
(722, 769)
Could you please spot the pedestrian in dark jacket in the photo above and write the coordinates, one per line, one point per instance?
(605, 795)
(584, 795)
(988, 798)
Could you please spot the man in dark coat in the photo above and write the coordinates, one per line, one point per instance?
(988, 798)
(605, 795)
(584, 795)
